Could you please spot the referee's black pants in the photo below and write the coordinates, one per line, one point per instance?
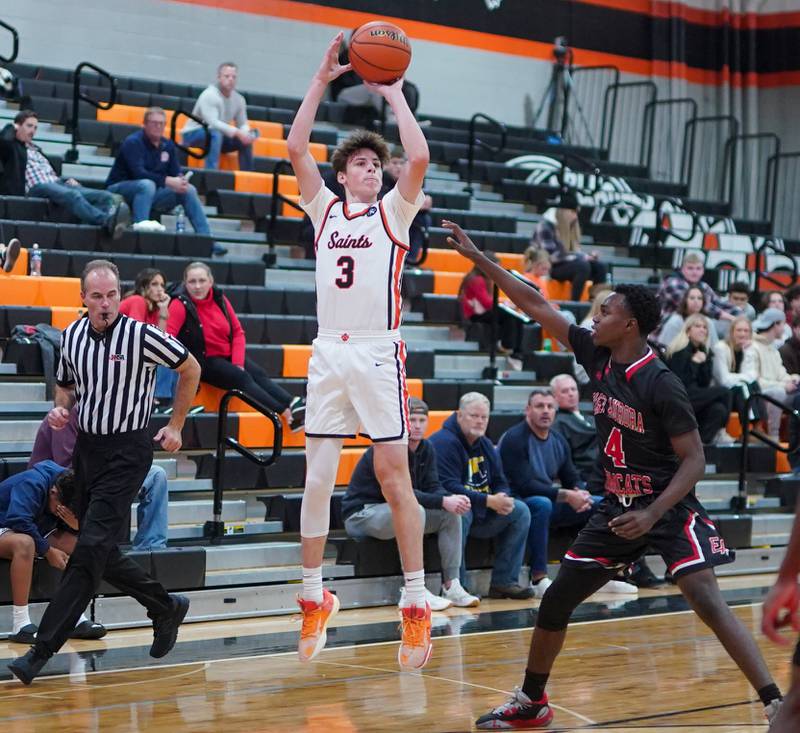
(110, 469)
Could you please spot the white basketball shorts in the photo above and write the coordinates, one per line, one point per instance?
(357, 385)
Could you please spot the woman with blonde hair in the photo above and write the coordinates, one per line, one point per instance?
(729, 356)
(562, 241)
(691, 358)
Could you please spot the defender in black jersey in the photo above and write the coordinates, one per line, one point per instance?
(652, 457)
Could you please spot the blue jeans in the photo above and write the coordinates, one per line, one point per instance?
(87, 204)
(509, 550)
(143, 197)
(166, 379)
(220, 144)
(546, 514)
(151, 515)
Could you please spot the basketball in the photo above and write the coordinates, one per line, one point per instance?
(379, 52)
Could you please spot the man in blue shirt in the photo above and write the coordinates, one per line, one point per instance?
(535, 458)
(32, 503)
(469, 464)
(147, 174)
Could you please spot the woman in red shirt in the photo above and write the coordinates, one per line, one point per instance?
(204, 321)
(149, 303)
(477, 305)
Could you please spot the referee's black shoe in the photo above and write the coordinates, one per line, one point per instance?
(165, 628)
(26, 667)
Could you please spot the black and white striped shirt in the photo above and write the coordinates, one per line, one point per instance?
(114, 372)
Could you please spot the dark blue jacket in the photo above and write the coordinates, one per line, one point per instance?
(474, 470)
(365, 489)
(138, 158)
(534, 464)
(23, 502)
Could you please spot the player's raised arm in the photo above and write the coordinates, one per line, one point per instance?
(527, 298)
(411, 137)
(305, 167)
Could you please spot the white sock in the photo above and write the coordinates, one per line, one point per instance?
(312, 584)
(415, 589)
(20, 618)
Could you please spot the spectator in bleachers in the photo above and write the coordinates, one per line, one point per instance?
(790, 349)
(536, 267)
(691, 304)
(146, 173)
(792, 297)
(151, 515)
(673, 289)
(203, 320)
(728, 360)
(417, 232)
(36, 506)
(149, 303)
(775, 299)
(366, 513)
(763, 364)
(9, 253)
(224, 110)
(471, 466)
(739, 296)
(477, 306)
(561, 239)
(689, 355)
(541, 473)
(26, 171)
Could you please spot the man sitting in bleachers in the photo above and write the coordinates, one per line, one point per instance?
(27, 172)
(151, 514)
(366, 513)
(218, 105)
(674, 287)
(146, 173)
(33, 503)
(470, 465)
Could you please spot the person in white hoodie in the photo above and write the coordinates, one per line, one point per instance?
(729, 356)
(762, 363)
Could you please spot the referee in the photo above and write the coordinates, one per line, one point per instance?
(108, 365)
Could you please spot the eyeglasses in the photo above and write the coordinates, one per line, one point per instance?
(156, 123)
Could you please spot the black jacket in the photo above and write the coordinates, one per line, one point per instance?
(14, 160)
(365, 489)
(191, 333)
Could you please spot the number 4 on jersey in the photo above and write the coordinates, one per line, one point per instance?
(614, 448)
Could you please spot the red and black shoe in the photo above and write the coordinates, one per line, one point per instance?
(519, 712)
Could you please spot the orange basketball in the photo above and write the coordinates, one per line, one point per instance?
(379, 52)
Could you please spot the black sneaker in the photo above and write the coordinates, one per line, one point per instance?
(11, 254)
(298, 409)
(515, 592)
(519, 711)
(119, 220)
(642, 577)
(88, 630)
(26, 635)
(26, 667)
(165, 628)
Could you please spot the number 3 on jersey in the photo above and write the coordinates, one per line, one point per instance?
(345, 279)
(614, 449)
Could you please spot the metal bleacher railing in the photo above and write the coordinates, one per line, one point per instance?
(214, 529)
(71, 156)
(280, 168)
(12, 57)
(780, 201)
(474, 140)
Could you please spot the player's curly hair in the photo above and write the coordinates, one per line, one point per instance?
(359, 139)
(642, 304)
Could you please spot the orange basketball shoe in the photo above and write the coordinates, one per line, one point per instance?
(415, 643)
(316, 617)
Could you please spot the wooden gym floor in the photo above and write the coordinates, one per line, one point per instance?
(638, 666)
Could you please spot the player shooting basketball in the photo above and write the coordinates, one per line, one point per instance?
(356, 376)
(652, 457)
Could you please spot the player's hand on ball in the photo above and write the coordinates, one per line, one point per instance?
(781, 607)
(385, 89)
(459, 240)
(633, 524)
(58, 418)
(330, 68)
(170, 438)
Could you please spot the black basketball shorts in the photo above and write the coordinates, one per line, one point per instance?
(685, 538)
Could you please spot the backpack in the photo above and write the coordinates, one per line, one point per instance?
(49, 340)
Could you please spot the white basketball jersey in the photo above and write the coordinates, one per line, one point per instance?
(360, 254)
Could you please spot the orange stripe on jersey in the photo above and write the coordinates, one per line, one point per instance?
(397, 276)
(404, 386)
(389, 231)
(324, 219)
(349, 216)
